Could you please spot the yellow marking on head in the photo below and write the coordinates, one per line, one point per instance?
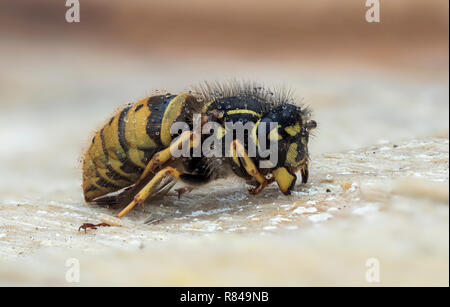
(293, 130)
(274, 135)
(171, 113)
(284, 179)
(243, 111)
(292, 154)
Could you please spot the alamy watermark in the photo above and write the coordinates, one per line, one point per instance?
(373, 270)
(73, 270)
(218, 142)
(373, 13)
(73, 13)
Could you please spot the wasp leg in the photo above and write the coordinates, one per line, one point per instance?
(165, 155)
(149, 187)
(239, 152)
(158, 160)
(258, 189)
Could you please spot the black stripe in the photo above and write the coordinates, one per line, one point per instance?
(127, 165)
(130, 168)
(112, 172)
(91, 188)
(97, 174)
(138, 107)
(121, 129)
(106, 184)
(152, 119)
(102, 138)
(157, 106)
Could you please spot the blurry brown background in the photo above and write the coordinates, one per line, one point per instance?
(324, 50)
(412, 34)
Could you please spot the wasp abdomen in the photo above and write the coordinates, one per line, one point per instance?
(121, 149)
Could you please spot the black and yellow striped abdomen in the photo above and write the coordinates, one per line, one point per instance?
(121, 149)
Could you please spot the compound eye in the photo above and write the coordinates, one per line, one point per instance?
(312, 124)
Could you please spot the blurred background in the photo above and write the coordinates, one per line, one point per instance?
(325, 50)
(368, 83)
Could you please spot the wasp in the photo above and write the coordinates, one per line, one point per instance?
(136, 154)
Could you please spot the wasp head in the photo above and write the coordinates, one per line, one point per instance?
(291, 134)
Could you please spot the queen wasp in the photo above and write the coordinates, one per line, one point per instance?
(136, 154)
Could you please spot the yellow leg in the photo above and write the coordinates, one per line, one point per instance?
(157, 161)
(148, 188)
(165, 155)
(238, 150)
